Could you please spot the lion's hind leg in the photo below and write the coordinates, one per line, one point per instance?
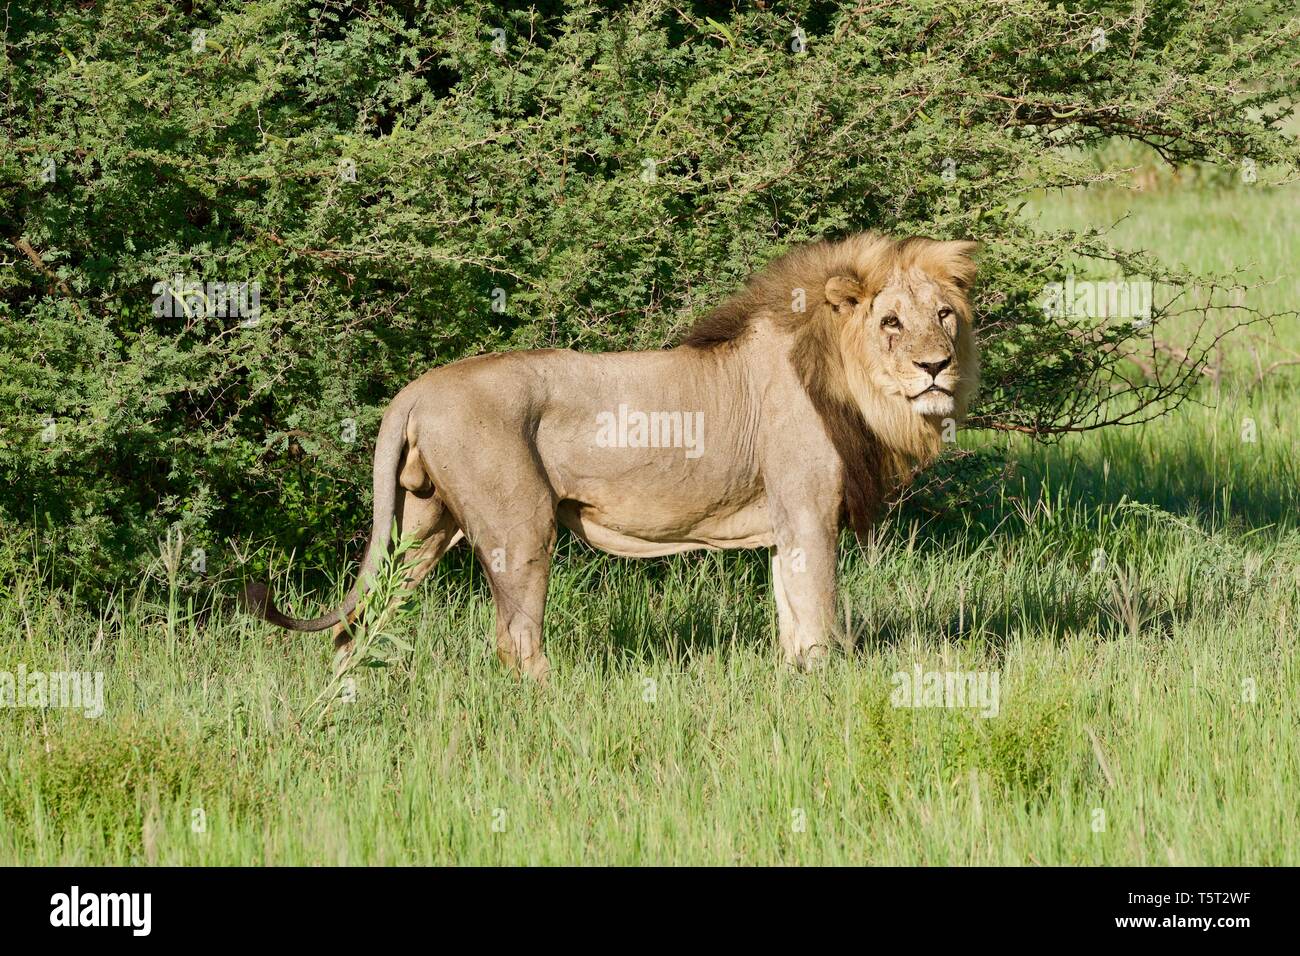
(495, 485)
(514, 547)
(519, 585)
(516, 555)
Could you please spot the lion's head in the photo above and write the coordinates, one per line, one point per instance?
(905, 334)
(881, 338)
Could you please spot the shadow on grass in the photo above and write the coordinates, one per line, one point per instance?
(1229, 488)
(619, 612)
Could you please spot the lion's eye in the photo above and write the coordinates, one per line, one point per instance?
(890, 322)
(944, 313)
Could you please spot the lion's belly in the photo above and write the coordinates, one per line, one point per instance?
(647, 458)
(646, 531)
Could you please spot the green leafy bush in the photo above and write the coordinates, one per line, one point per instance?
(412, 182)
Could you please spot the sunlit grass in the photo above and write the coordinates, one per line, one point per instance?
(1136, 590)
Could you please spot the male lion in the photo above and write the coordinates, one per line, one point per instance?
(799, 402)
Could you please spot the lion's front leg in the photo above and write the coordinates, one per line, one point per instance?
(803, 579)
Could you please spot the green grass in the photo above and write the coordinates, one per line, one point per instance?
(670, 733)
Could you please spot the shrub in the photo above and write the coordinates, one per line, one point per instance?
(412, 182)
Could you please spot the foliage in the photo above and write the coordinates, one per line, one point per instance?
(381, 170)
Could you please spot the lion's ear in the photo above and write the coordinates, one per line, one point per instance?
(956, 259)
(843, 293)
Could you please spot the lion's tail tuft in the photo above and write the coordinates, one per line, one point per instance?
(258, 601)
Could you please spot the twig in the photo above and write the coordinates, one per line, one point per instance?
(25, 247)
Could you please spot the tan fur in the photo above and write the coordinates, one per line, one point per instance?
(769, 426)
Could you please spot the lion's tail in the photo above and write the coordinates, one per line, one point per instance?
(257, 597)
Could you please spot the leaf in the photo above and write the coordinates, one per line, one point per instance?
(723, 30)
(138, 81)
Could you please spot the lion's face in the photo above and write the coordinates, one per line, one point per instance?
(915, 328)
(914, 342)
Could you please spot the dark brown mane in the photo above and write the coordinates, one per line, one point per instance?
(769, 290)
(862, 456)
(726, 323)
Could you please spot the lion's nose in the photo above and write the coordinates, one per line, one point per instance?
(934, 368)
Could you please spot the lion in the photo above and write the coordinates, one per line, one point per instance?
(794, 407)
